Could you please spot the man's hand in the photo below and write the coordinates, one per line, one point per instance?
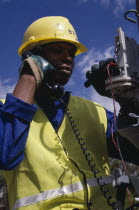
(35, 65)
(99, 73)
(32, 72)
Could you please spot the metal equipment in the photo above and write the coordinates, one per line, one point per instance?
(127, 56)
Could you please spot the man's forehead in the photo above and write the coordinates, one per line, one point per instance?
(64, 44)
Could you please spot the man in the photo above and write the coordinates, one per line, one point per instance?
(54, 153)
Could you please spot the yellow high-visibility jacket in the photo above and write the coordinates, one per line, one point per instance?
(54, 174)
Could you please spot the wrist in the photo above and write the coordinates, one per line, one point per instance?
(25, 88)
(28, 78)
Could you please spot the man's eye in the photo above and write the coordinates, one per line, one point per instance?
(61, 50)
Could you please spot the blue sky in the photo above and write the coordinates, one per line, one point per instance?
(95, 21)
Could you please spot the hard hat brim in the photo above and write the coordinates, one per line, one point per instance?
(34, 43)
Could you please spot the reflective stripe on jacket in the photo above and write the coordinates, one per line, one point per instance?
(54, 173)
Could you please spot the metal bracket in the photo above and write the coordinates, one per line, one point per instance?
(131, 11)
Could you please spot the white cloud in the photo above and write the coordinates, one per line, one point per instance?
(70, 83)
(93, 56)
(118, 5)
(6, 86)
(105, 102)
(121, 4)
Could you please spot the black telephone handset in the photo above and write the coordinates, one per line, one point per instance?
(56, 91)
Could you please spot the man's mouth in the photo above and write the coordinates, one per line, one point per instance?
(64, 68)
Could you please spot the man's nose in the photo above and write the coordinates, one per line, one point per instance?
(67, 56)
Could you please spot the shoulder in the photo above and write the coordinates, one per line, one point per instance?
(87, 109)
(86, 106)
(85, 101)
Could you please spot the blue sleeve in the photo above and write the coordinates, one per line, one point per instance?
(110, 123)
(15, 118)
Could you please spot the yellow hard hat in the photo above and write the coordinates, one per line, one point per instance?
(50, 29)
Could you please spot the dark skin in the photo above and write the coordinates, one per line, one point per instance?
(61, 56)
(25, 88)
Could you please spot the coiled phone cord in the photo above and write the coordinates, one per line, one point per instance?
(89, 159)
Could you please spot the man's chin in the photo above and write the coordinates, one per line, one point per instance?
(62, 81)
(58, 79)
